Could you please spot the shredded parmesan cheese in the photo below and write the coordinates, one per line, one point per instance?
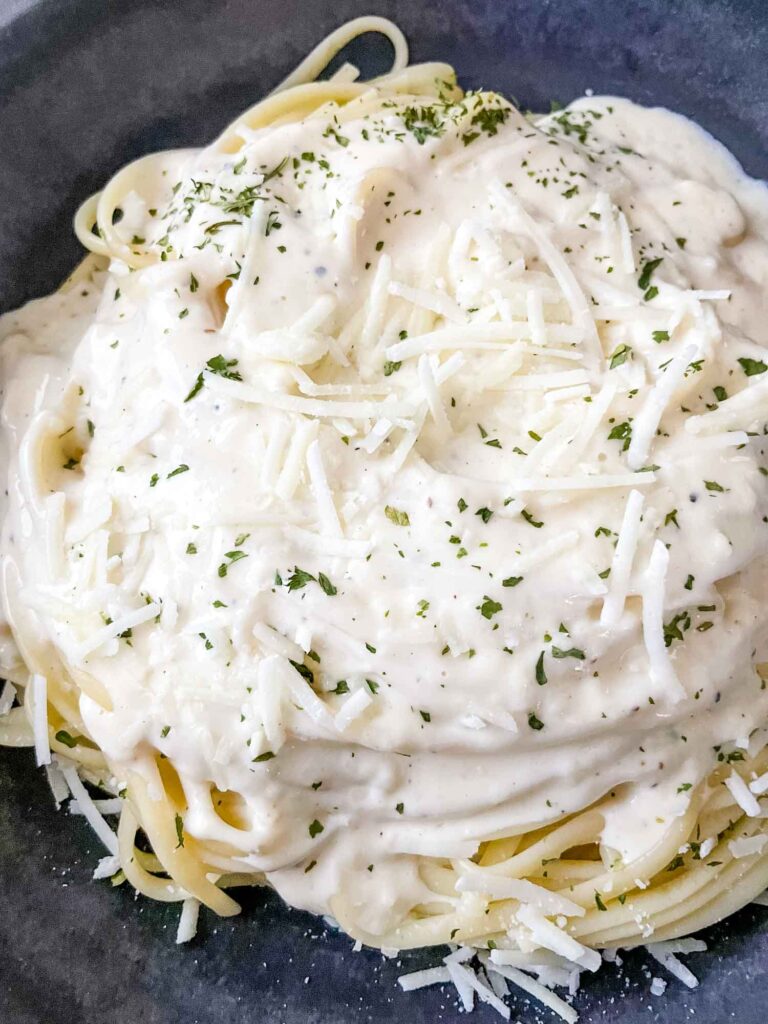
(323, 495)
(187, 930)
(559, 267)
(647, 421)
(352, 708)
(429, 386)
(746, 846)
(90, 812)
(422, 979)
(673, 965)
(462, 976)
(547, 934)
(744, 411)
(106, 868)
(39, 687)
(7, 697)
(128, 621)
(623, 557)
(535, 989)
(741, 794)
(437, 303)
(662, 672)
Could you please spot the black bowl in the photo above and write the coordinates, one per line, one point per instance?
(87, 85)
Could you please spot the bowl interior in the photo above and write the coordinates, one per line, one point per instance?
(87, 86)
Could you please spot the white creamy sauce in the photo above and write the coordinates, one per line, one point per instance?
(493, 704)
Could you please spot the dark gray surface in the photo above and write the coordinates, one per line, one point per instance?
(86, 85)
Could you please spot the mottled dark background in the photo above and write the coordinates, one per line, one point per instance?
(86, 85)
